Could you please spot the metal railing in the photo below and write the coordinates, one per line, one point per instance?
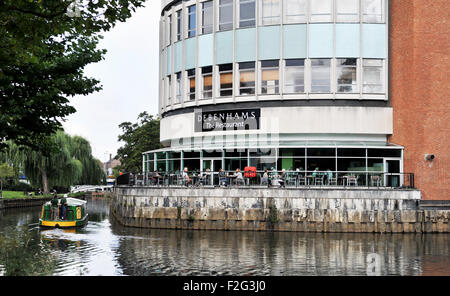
(290, 179)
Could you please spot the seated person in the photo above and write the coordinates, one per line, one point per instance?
(155, 177)
(265, 178)
(186, 177)
(315, 173)
(239, 177)
(222, 178)
(282, 178)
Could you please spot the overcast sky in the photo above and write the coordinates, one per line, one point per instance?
(129, 76)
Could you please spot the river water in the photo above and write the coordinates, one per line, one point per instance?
(104, 247)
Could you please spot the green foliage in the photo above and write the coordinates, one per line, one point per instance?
(69, 163)
(138, 137)
(273, 214)
(43, 53)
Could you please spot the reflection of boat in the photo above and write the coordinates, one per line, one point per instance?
(76, 214)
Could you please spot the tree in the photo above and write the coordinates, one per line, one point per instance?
(6, 171)
(138, 137)
(43, 51)
(70, 162)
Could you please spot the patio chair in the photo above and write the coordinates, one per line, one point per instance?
(301, 180)
(353, 180)
(318, 180)
(332, 181)
(375, 180)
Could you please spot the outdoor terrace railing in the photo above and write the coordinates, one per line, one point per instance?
(291, 179)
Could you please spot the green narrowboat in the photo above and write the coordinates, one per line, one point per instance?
(75, 215)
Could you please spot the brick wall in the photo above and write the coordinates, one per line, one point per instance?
(419, 90)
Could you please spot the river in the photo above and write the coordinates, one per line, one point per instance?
(104, 247)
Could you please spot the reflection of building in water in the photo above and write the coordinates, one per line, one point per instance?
(155, 251)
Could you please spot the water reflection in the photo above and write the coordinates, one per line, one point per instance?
(104, 247)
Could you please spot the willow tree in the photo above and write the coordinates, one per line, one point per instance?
(69, 162)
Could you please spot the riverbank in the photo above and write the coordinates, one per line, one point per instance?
(16, 199)
(274, 209)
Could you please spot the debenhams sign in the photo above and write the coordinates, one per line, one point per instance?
(226, 120)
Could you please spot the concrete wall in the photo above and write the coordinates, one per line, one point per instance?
(321, 210)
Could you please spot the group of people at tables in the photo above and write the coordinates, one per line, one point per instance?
(269, 178)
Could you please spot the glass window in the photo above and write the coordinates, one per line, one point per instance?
(207, 82)
(270, 12)
(354, 152)
(294, 77)
(169, 29)
(384, 152)
(263, 163)
(207, 17)
(231, 164)
(320, 75)
(321, 11)
(289, 152)
(322, 164)
(225, 15)
(179, 25)
(321, 152)
(294, 11)
(351, 164)
(346, 76)
(246, 13)
(179, 86)
(247, 78)
(291, 164)
(169, 90)
(373, 76)
(191, 83)
(192, 25)
(226, 80)
(347, 11)
(373, 11)
(193, 165)
(269, 77)
(191, 154)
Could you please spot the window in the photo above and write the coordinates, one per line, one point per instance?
(225, 15)
(321, 11)
(169, 29)
(373, 76)
(347, 11)
(247, 13)
(320, 75)
(226, 80)
(179, 86)
(270, 12)
(191, 83)
(192, 25)
(247, 78)
(373, 11)
(207, 17)
(295, 11)
(207, 82)
(269, 77)
(179, 25)
(294, 78)
(169, 90)
(346, 76)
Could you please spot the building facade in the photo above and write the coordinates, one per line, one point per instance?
(300, 85)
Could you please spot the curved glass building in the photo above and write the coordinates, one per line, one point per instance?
(277, 84)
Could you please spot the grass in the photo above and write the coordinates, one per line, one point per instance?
(19, 194)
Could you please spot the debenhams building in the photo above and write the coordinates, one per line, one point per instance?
(277, 84)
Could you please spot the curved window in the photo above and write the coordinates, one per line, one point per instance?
(207, 17)
(269, 77)
(207, 82)
(191, 83)
(373, 76)
(347, 11)
(270, 12)
(346, 76)
(294, 11)
(226, 80)
(247, 78)
(373, 11)
(320, 75)
(225, 15)
(192, 25)
(294, 76)
(246, 13)
(321, 11)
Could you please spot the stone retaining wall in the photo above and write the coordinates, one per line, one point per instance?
(317, 210)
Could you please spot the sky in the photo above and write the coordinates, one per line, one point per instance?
(129, 77)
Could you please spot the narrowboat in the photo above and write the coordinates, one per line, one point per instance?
(75, 215)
